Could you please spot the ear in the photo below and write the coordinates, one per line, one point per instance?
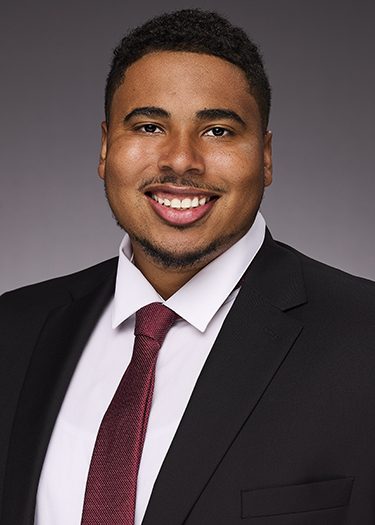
(103, 151)
(267, 158)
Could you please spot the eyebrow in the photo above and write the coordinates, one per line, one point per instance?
(147, 111)
(203, 114)
(220, 113)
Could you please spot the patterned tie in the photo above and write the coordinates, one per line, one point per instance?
(112, 479)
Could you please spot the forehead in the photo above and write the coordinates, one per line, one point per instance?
(184, 80)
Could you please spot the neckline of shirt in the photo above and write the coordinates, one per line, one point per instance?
(133, 290)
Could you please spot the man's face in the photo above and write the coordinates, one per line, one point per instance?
(184, 158)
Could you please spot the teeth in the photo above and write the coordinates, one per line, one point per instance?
(184, 204)
(176, 203)
(195, 202)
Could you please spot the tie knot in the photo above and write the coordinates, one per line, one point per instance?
(154, 320)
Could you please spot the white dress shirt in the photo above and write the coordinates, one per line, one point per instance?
(202, 304)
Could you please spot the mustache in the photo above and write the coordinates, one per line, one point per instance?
(180, 181)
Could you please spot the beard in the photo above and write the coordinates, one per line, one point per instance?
(190, 260)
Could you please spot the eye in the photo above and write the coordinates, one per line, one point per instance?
(149, 128)
(218, 131)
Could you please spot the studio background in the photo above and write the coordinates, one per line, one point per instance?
(54, 60)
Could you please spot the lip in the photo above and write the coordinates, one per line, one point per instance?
(180, 190)
(181, 217)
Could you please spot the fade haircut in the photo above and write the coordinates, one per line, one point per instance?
(196, 31)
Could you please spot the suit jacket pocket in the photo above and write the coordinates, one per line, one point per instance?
(290, 499)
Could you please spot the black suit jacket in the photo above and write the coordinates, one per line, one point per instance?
(280, 428)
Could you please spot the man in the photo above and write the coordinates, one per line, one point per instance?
(259, 406)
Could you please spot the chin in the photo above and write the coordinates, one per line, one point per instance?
(188, 259)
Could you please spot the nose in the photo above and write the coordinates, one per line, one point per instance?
(180, 155)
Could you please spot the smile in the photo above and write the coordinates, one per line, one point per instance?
(185, 203)
(180, 207)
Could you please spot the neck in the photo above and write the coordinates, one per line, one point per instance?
(166, 281)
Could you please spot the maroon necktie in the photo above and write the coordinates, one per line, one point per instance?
(112, 479)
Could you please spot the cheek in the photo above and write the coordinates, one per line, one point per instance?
(240, 169)
(127, 161)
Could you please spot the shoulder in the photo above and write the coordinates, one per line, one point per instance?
(337, 294)
(323, 274)
(44, 296)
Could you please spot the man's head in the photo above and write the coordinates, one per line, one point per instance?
(185, 156)
(195, 31)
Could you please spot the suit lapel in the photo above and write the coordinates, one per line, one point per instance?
(52, 365)
(253, 343)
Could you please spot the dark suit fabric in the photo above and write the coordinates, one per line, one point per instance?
(280, 428)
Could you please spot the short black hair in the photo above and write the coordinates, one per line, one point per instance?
(197, 31)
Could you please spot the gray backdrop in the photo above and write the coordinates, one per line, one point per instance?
(54, 60)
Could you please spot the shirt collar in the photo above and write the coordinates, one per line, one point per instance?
(200, 298)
